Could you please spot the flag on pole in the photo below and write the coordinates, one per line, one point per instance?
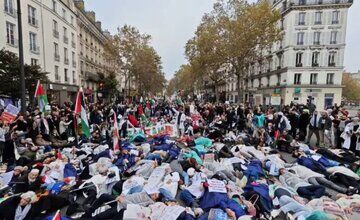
(116, 135)
(57, 216)
(40, 94)
(80, 110)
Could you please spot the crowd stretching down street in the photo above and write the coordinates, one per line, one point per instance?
(161, 158)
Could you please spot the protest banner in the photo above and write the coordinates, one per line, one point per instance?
(10, 113)
(216, 186)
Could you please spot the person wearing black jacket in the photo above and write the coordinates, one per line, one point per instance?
(18, 207)
(29, 182)
(304, 120)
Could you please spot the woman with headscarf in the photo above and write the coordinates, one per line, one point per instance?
(18, 207)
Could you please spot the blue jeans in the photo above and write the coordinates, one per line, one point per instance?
(288, 204)
(153, 157)
(135, 189)
(187, 197)
(186, 178)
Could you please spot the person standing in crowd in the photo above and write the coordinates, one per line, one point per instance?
(314, 128)
(351, 136)
(325, 131)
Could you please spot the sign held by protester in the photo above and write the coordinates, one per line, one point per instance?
(216, 186)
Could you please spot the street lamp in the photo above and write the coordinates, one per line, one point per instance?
(21, 59)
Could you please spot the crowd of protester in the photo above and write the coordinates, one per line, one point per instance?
(48, 163)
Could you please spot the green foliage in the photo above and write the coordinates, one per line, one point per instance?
(351, 90)
(10, 75)
(138, 61)
(109, 84)
(231, 38)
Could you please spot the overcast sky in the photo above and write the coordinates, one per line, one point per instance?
(172, 22)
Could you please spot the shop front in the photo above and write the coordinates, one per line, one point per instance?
(60, 93)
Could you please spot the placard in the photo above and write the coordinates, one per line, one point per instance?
(216, 186)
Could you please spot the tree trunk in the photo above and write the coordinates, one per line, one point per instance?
(240, 89)
(216, 93)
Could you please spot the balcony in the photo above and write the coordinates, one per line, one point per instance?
(56, 34)
(317, 43)
(332, 64)
(74, 64)
(67, 79)
(299, 65)
(318, 23)
(66, 61)
(289, 5)
(314, 64)
(34, 49)
(10, 11)
(335, 22)
(333, 42)
(57, 57)
(73, 44)
(12, 42)
(33, 21)
(301, 23)
(66, 40)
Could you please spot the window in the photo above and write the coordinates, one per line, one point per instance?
(335, 17)
(300, 38)
(299, 59)
(318, 16)
(66, 39)
(64, 13)
(66, 75)
(55, 26)
(66, 57)
(333, 37)
(313, 78)
(332, 56)
(73, 76)
(34, 62)
(32, 37)
(330, 79)
(317, 38)
(302, 2)
(301, 18)
(10, 36)
(57, 76)
(32, 15)
(315, 58)
(297, 78)
(54, 5)
(56, 52)
(55, 29)
(8, 6)
(72, 20)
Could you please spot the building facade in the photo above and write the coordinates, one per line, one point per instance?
(91, 55)
(308, 63)
(49, 30)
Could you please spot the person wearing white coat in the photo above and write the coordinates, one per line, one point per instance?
(351, 136)
(180, 120)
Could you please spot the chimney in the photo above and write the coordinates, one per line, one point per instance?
(80, 4)
(98, 24)
(91, 15)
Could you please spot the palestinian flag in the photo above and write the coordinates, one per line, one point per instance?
(80, 110)
(116, 135)
(41, 96)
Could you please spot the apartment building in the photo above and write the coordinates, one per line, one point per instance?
(308, 63)
(91, 40)
(49, 30)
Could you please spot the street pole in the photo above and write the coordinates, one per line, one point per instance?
(21, 58)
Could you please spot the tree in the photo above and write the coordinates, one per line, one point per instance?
(231, 38)
(108, 84)
(351, 90)
(10, 76)
(184, 79)
(139, 62)
(206, 52)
